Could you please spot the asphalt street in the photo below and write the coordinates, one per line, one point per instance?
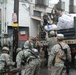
(44, 71)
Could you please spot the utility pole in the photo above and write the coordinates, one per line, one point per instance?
(15, 29)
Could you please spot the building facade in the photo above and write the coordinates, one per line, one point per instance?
(29, 16)
(7, 17)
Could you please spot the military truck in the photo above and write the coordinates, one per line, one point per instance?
(69, 35)
(70, 39)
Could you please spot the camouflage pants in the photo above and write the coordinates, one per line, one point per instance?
(49, 72)
(58, 71)
(3, 72)
(33, 67)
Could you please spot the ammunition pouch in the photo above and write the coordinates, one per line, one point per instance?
(27, 60)
(57, 60)
(23, 62)
(24, 59)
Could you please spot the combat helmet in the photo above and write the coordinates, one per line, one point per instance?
(52, 32)
(27, 44)
(5, 48)
(60, 36)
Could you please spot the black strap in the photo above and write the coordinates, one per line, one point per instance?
(65, 50)
(60, 46)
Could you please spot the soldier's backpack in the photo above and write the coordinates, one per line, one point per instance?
(24, 59)
(31, 56)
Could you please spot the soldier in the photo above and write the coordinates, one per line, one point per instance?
(5, 60)
(28, 59)
(52, 40)
(59, 55)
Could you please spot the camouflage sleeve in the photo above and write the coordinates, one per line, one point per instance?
(51, 57)
(18, 59)
(47, 37)
(7, 58)
(69, 53)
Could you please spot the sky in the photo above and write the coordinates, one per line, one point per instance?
(53, 1)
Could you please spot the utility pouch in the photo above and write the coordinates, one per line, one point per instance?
(24, 60)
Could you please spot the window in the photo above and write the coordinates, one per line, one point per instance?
(23, 0)
(1, 1)
(42, 2)
(63, 6)
(37, 13)
(75, 9)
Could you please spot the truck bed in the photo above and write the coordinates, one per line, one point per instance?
(68, 33)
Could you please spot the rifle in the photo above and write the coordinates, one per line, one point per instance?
(66, 61)
(33, 53)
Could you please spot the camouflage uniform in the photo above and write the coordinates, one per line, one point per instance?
(32, 63)
(58, 68)
(5, 60)
(51, 41)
